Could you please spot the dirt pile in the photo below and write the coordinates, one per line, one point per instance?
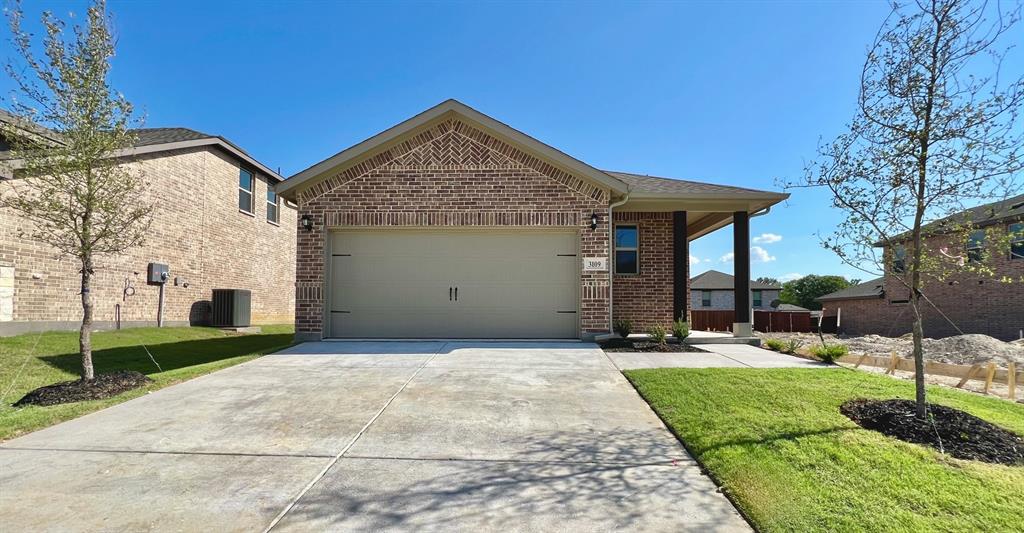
(966, 349)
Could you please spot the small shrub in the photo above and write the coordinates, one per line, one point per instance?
(658, 334)
(793, 345)
(680, 329)
(623, 327)
(829, 352)
(775, 344)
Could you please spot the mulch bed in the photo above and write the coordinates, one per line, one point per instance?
(102, 386)
(629, 345)
(953, 431)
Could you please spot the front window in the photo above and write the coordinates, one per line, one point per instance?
(627, 251)
(705, 298)
(757, 298)
(1016, 231)
(273, 206)
(976, 246)
(245, 186)
(899, 259)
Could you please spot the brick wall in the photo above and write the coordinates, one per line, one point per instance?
(646, 298)
(726, 299)
(976, 303)
(197, 230)
(450, 174)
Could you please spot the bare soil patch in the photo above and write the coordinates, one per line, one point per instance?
(634, 345)
(949, 430)
(101, 387)
(969, 349)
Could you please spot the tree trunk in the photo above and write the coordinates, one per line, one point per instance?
(918, 335)
(85, 333)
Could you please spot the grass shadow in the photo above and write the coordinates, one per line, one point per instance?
(170, 355)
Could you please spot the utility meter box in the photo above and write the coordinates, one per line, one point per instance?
(158, 273)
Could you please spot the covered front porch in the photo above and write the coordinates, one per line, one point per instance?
(657, 225)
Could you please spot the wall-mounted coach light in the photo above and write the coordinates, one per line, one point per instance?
(307, 222)
(593, 221)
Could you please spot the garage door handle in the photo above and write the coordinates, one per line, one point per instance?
(456, 294)
(449, 294)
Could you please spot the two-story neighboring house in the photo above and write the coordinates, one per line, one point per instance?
(217, 224)
(713, 290)
(963, 303)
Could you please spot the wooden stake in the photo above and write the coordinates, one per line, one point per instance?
(893, 363)
(860, 360)
(1011, 379)
(970, 372)
(991, 374)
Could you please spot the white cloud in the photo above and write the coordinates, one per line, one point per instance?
(760, 255)
(694, 260)
(790, 277)
(757, 255)
(767, 238)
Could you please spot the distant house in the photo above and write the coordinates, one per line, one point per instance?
(713, 290)
(966, 302)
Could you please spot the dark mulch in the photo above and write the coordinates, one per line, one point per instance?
(629, 345)
(102, 386)
(962, 435)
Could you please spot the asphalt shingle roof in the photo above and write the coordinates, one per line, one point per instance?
(868, 289)
(715, 280)
(655, 184)
(150, 136)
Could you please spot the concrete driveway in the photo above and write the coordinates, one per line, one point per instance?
(371, 436)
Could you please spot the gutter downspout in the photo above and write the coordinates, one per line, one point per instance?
(611, 260)
(760, 213)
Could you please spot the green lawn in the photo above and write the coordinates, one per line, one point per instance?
(33, 360)
(775, 440)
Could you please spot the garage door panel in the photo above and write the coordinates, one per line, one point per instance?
(510, 284)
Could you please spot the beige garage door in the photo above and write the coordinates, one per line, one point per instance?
(454, 284)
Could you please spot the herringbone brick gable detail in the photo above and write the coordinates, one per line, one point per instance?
(454, 145)
(452, 150)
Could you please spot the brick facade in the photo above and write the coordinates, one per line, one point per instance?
(645, 299)
(451, 175)
(724, 299)
(197, 230)
(975, 303)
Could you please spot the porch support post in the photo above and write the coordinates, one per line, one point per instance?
(680, 265)
(741, 270)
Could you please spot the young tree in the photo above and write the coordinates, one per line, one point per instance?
(936, 130)
(80, 199)
(767, 280)
(806, 290)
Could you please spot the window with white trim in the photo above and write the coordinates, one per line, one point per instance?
(899, 259)
(273, 206)
(246, 183)
(976, 246)
(705, 298)
(627, 249)
(1016, 231)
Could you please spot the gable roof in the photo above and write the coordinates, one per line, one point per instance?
(791, 308)
(715, 280)
(868, 289)
(152, 140)
(451, 107)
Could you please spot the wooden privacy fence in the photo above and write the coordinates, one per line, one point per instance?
(988, 372)
(710, 320)
(786, 321)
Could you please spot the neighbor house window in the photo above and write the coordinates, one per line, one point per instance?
(246, 181)
(757, 298)
(627, 251)
(273, 206)
(705, 298)
(1016, 232)
(975, 246)
(899, 259)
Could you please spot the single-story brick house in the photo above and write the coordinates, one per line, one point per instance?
(454, 225)
(713, 290)
(965, 302)
(217, 224)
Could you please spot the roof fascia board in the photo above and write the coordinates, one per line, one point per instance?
(16, 164)
(357, 152)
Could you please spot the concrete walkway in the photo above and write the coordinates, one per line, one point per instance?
(358, 436)
(717, 356)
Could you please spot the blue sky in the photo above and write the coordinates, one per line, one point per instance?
(736, 93)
